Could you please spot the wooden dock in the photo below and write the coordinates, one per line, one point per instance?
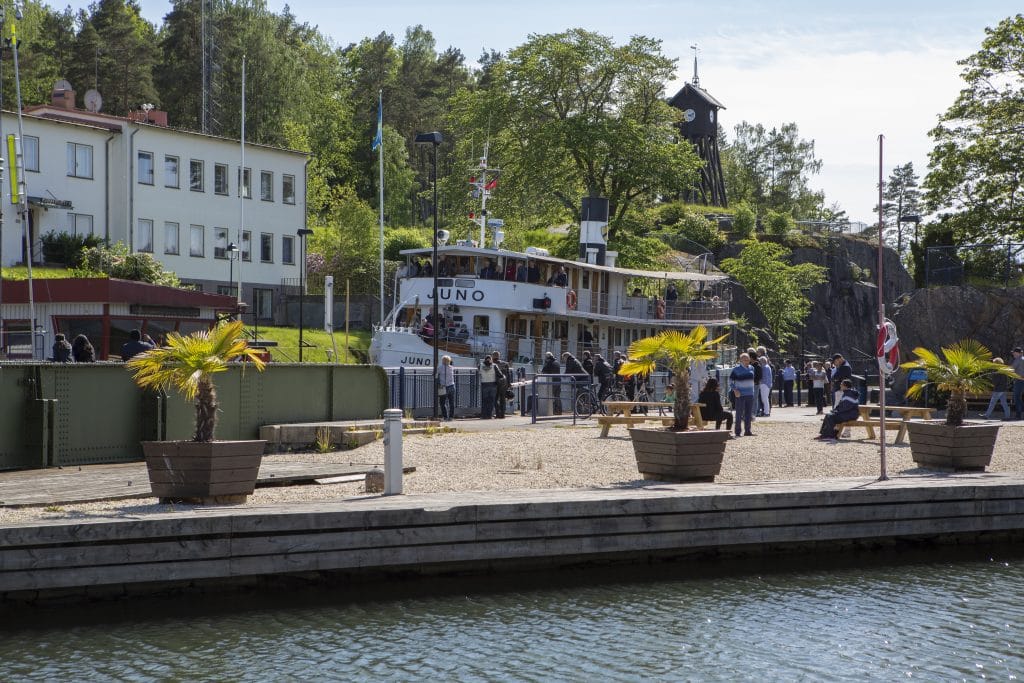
(488, 531)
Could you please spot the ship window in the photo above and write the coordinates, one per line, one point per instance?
(481, 325)
(444, 282)
(465, 282)
(585, 280)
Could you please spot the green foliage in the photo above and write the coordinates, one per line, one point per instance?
(677, 350)
(63, 247)
(695, 230)
(644, 253)
(771, 169)
(901, 198)
(935, 235)
(775, 285)
(744, 221)
(778, 223)
(397, 239)
(347, 240)
(964, 368)
(117, 262)
(974, 175)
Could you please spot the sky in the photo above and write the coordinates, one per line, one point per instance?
(845, 73)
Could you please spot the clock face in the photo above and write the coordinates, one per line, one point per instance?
(689, 115)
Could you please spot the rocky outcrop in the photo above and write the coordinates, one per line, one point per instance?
(941, 316)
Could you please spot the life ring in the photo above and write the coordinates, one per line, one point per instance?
(659, 309)
(570, 299)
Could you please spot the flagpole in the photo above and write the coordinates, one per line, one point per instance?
(880, 351)
(380, 158)
(241, 203)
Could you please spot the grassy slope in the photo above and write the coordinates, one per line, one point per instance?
(317, 346)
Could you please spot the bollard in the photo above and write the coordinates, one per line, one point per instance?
(392, 452)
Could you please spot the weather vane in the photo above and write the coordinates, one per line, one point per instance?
(696, 80)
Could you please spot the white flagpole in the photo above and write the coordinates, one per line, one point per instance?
(881, 317)
(241, 199)
(380, 156)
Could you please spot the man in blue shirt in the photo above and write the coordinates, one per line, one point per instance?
(741, 383)
(788, 380)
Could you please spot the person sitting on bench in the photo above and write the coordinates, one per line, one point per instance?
(845, 411)
(712, 408)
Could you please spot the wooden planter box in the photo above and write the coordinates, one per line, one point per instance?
(967, 448)
(665, 455)
(193, 472)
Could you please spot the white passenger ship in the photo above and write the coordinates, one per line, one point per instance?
(492, 299)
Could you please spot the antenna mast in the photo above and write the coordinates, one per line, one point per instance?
(482, 188)
(696, 79)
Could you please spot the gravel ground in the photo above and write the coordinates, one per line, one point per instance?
(563, 457)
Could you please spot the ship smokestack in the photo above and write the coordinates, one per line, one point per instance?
(593, 230)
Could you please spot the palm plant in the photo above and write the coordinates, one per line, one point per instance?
(188, 363)
(964, 368)
(678, 351)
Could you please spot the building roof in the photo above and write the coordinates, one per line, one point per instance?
(110, 290)
(691, 91)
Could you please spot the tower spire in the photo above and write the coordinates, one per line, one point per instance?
(696, 79)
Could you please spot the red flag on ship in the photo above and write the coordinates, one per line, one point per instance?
(491, 185)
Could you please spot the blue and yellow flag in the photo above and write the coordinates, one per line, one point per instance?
(379, 138)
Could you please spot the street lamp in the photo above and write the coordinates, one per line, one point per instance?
(303, 234)
(434, 139)
(232, 253)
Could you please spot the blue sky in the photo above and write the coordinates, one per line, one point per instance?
(844, 72)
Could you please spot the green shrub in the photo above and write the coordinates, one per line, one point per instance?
(117, 262)
(63, 247)
(744, 221)
(405, 238)
(778, 222)
(694, 229)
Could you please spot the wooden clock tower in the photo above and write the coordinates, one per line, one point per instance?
(700, 127)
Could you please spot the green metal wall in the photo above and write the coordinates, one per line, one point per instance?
(73, 414)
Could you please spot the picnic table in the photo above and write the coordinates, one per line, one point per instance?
(627, 417)
(904, 413)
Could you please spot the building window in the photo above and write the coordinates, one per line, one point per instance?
(171, 172)
(220, 243)
(220, 178)
(267, 186)
(266, 247)
(227, 290)
(146, 168)
(170, 237)
(246, 245)
(196, 241)
(195, 175)
(264, 300)
(30, 144)
(79, 160)
(288, 249)
(288, 189)
(144, 239)
(81, 224)
(246, 183)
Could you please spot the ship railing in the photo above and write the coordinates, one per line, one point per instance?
(647, 308)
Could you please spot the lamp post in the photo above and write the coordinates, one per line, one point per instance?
(232, 252)
(433, 139)
(303, 234)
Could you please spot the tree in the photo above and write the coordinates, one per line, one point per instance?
(348, 239)
(44, 53)
(976, 170)
(770, 169)
(570, 115)
(901, 197)
(115, 51)
(775, 285)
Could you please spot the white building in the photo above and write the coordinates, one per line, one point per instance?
(168, 192)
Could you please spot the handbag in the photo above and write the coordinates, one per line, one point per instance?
(442, 390)
(509, 393)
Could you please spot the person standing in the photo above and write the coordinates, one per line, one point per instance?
(588, 364)
(488, 387)
(446, 384)
(756, 367)
(503, 385)
(765, 387)
(1018, 384)
(134, 346)
(741, 383)
(840, 370)
(82, 350)
(61, 349)
(999, 385)
(788, 380)
(818, 380)
(551, 367)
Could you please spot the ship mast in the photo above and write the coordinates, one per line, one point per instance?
(482, 188)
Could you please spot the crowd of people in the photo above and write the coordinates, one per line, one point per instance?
(81, 350)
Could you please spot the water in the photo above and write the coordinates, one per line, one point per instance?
(940, 619)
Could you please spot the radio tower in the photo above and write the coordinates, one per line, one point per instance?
(208, 28)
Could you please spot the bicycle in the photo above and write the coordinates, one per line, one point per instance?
(588, 401)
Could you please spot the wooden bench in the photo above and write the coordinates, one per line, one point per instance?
(627, 417)
(869, 425)
(904, 415)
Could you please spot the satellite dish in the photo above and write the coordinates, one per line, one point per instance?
(93, 100)
(61, 85)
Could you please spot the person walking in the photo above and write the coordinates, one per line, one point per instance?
(999, 386)
(446, 388)
(741, 383)
(1018, 384)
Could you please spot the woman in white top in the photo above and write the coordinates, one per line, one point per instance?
(818, 378)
